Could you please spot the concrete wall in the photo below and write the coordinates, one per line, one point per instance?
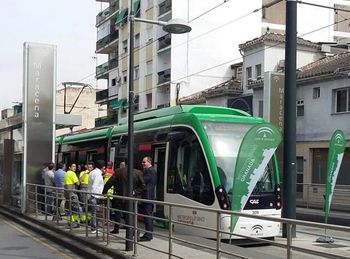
(85, 107)
(319, 121)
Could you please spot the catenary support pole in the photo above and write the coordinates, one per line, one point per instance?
(129, 231)
(289, 145)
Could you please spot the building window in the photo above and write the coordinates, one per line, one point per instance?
(300, 108)
(114, 82)
(149, 100)
(150, 34)
(258, 71)
(342, 100)
(149, 67)
(249, 74)
(125, 46)
(316, 93)
(136, 73)
(137, 40)
(125, 76)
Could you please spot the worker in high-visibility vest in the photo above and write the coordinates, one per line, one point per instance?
(84, 181)
(108, 172)
(71, 183)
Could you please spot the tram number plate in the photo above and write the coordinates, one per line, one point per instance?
(255, 212)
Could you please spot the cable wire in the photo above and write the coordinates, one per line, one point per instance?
(208, 11)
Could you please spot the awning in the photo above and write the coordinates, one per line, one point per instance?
(136, 102)
(121, 17)
(137, 7)
(116, 104)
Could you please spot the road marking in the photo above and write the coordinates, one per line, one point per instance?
(50, 247)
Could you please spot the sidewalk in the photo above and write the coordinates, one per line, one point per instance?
(317, 215)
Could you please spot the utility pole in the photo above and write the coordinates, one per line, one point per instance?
(289, 145)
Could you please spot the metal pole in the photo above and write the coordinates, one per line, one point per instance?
(108, 218)
(45, 199)
(218, 239)
(86, 215)
(289, 145)
(36, 201)
(128, 241)
(170, 231)
(70, 215)
(136, 232)
(57, 214)
(289, 240)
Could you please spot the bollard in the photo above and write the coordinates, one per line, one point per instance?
(218, 236)
(170, 231)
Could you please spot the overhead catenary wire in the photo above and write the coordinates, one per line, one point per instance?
(226, 62)
(324, 6)
(208, 11)
(185, 42)
(240, 58)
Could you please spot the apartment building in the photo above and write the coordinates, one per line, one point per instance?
(169, 67)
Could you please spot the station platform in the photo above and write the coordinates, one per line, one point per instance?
(97, 247)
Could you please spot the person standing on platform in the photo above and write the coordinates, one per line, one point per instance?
(95, 188)
(59, 183)
(150, 179)
(119, 181)
(71, 183)
(49, 180)
(84, 180)
(109, 171)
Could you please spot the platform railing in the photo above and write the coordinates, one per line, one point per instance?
(311, 195)
(37, 205)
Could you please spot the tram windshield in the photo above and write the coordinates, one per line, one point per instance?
(225, 140)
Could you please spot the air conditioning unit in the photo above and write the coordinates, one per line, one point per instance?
(260, 77)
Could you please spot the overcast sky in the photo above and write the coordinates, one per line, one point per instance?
(69, 24)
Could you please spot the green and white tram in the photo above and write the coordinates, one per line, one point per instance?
(194, 149)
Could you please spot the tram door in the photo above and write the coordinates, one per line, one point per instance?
(159, 165)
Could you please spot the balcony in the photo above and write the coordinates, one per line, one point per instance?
(101, 70)
(107, 12)
(101, 96)
(106, 120)
(104, 46)
(164, 7)
(164, 76)
(164, 41)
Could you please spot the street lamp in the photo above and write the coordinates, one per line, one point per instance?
(176, 26)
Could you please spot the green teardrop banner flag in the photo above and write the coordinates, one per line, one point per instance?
(335, 157)
(256, 150)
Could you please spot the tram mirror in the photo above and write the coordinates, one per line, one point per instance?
(123, 140)
(175, 135)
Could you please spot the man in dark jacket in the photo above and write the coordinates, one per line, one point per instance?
(150, 179)
(119, 181)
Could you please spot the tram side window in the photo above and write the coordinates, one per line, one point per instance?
(188, 174)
